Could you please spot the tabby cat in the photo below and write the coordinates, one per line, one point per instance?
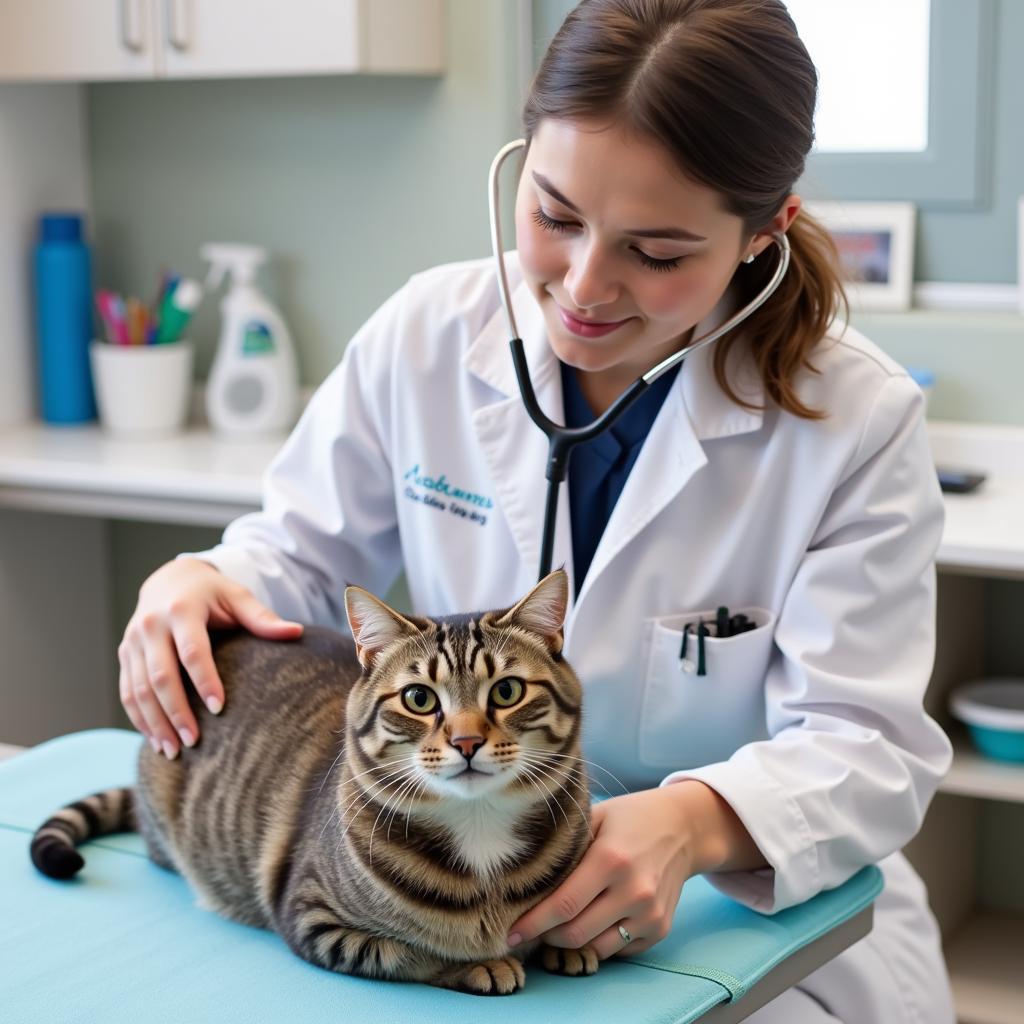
(389, 807)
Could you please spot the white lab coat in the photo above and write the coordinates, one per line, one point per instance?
(417, 452)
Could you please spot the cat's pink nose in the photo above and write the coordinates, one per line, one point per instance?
(469, 745)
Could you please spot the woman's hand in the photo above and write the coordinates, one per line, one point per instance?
(177, 604)
(646, 844)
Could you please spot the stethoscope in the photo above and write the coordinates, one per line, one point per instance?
(562, 440)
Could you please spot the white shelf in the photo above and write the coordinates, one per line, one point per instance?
(982, 533)
(985, 965)
(974, 775)
(192, 478)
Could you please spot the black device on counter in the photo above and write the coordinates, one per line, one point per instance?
(959, 481)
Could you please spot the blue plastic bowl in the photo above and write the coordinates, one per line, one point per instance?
(993, 710)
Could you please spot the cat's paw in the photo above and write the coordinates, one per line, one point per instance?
(487, 978)
(573, 962)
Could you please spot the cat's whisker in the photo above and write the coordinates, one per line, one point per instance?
(558, 769)
(528, 773)
(383, 764)
(362, 792)
(594, 782)
(408, 813)
(536, 771)
(368, 800)
(406, 781)
(563, 774)
(341, 753)
(338, 806)
(583, 814)
(411, 800)
(416, 780)
(574, 757)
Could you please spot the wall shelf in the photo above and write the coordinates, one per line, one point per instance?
(978, 776)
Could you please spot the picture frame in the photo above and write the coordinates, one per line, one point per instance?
(1020, 255)
(876, 249)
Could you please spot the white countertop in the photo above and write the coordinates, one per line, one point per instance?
(984, 531)
(190, 478)
(197, 478)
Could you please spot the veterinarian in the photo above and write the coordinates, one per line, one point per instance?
(782, 474)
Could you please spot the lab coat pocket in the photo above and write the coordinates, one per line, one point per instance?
(688, 720)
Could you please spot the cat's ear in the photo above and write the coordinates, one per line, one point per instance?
(374, 624)
(542, 611)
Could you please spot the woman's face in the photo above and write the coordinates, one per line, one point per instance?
(610, 233)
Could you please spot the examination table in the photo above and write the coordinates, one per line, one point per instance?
(125, 941)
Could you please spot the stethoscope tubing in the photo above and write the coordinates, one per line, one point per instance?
(561, 439)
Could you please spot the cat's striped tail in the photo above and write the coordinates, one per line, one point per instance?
(53, 844)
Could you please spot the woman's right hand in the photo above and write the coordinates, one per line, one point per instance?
(177, 605)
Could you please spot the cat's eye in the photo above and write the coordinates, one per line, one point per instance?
(420, 699)
(507, 692)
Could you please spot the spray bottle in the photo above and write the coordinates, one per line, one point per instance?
(254, 382)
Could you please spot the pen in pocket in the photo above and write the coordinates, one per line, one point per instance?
(725, 625)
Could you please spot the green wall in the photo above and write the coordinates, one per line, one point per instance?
(978, 359)
(352, 182)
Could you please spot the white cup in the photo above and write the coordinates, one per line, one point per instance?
(142, 390)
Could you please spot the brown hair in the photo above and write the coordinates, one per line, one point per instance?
(729, 88)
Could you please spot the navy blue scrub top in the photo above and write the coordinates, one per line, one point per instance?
(598, 468)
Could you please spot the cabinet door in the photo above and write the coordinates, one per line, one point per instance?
(255, 38)
(76, 40)
(239, 38)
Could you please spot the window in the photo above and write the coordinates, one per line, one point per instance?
(872, 61)
(944, 167)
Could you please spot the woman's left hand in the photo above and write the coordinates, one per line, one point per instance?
(644, 849)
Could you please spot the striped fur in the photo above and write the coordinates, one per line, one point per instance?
(53, 844)
(319, 805)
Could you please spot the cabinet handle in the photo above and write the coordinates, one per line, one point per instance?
(125, 11)
(174, 37)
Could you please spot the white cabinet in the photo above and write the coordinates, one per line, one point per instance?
(70, 40)
(238, 38)
(110, 40)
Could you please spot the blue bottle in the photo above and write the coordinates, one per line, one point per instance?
(64, 320)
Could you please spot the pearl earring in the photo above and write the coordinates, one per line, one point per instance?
(750, 258)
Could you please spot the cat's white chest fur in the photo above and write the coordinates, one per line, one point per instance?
(482, 830)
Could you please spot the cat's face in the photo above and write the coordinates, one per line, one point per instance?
(469, 707)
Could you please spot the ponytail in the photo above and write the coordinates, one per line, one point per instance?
(785, 330)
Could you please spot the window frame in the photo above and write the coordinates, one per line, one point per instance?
(953, 170)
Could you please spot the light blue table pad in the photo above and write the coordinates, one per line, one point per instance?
(125, 941)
